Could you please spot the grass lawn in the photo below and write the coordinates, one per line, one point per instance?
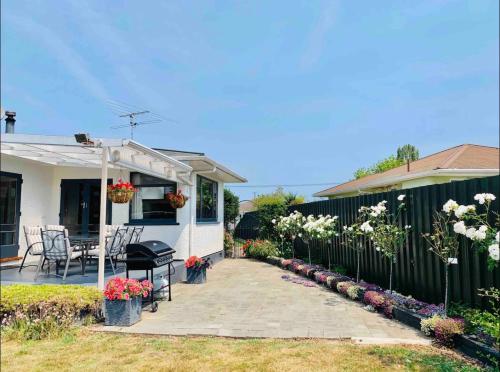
(85, 350)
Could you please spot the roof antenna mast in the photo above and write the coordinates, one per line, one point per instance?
(131, 112)
(132, 123)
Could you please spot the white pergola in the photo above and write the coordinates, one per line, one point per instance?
(99, 153)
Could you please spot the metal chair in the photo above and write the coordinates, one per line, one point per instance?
(114, 246)
(135, 236)
(57, 248)
(33, 242)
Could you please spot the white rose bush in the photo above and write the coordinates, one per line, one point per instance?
(322, 228)
(289, 227)
(443, 241)
(386, 232)
(355, 234)
(478, 224)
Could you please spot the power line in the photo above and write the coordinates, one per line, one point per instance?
(287, 185)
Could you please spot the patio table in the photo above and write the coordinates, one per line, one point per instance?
(85, 242)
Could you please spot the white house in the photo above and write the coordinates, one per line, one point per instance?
(56, 180)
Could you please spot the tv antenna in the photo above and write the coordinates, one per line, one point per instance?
(124, 110)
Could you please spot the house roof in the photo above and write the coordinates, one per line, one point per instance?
(201, 163)
(463, 160)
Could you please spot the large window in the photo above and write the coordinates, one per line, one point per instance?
(206, 200)
(149, 205)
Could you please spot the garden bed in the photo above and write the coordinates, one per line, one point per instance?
(407, 317)
(405, 309)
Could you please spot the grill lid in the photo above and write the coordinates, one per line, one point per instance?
(149, 248)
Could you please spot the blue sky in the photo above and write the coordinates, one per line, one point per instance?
(283, 92)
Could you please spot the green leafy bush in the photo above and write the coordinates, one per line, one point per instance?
(482, 323)
(261, 249)
(39, 311)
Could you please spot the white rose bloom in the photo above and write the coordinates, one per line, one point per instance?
(484, 197)
(483, 228)
(401, 197)
(273, 220)
(494, 251)
(450, 206)
(463, 209)
(459, 227)
(479, 235)
(470, 233)
(366, 227)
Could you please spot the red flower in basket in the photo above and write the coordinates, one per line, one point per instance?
(177, 200)
(121, 192)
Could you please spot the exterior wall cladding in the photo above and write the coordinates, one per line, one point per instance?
(40, 203)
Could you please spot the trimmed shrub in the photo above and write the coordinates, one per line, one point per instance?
(38, 311)
(446, 329)
(261, 249)
(355, 292)
(342, 287)
(374, 299)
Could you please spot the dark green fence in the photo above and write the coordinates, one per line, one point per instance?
(417, 271)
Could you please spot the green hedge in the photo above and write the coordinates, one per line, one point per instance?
(37, 311)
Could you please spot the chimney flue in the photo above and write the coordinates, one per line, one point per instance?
(10, 121)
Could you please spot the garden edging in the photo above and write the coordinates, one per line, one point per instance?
(463, 343)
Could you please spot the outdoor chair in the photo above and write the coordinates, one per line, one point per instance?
(114, 246)
(33, 243)
(56, 228)
(57, 248)
(135, 236)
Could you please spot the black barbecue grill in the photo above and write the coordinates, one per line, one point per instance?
(147, 256)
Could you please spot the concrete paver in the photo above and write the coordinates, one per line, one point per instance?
(246, 298)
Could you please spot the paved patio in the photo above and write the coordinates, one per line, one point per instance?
(246, 298)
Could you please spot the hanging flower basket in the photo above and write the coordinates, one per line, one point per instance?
(176, 200)
(121, 192)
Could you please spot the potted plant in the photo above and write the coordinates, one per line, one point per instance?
(121, 192)
(123, 303)
(176, 200)
(197, 270)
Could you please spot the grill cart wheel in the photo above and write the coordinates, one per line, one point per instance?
(154, 307)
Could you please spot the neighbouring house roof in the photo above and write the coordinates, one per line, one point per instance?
(247, 206)
(463, 160)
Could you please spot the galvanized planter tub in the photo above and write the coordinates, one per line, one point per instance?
(122, 313)
(194, 276)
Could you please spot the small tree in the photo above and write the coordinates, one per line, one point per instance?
(321, 228)
(444, 244)
(355, 233)
(387, 235)
(270, 207)
(288, 228)
(479, 224)
(407, 153)
(231, 207)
